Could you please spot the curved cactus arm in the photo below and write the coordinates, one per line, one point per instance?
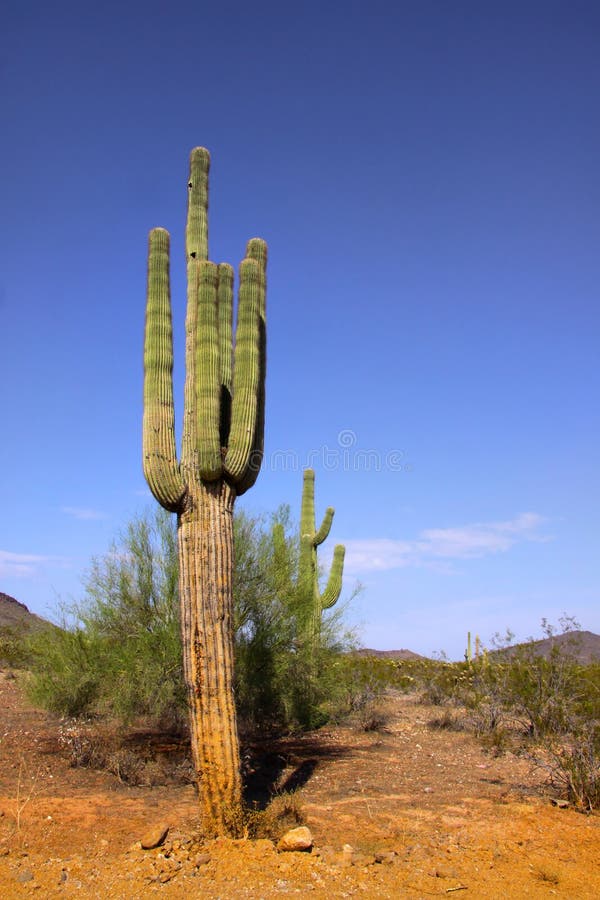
(325, 528)
(208, 375)
(246, 371)
(257, 249)
(225, 314)
(161, 468)
(334, 585)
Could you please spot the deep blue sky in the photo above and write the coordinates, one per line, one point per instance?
(426, 176)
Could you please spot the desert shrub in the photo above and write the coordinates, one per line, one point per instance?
(573, 765)
(264, 629)
(13, 649)
(280, 682)
(547, 707)
(284, 811)
(65, 677)
(120, 654)
(446, 721)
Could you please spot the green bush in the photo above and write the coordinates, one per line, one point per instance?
(66, 677)
(13, 649)
(120, 654)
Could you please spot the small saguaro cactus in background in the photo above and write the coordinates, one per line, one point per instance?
(310, 600)
(222, 443)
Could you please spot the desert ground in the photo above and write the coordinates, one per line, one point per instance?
(404, 811)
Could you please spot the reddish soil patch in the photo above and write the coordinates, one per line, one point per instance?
(444, 816)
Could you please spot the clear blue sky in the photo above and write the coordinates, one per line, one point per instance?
(426, 175)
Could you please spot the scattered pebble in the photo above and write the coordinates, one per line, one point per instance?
(25, 875)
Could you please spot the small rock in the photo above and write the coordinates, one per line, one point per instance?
(297, 839)
(155, 836)
(347, 855)
(561, 804)
(25, 875)
(201, 859)
(363, 859)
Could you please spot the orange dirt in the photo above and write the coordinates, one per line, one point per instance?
(446, 818)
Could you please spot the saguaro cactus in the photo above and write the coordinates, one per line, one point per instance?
(221, 454)
(308, 569)
(310, 600)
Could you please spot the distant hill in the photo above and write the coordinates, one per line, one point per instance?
(16, 617)
(389, 654)
(584, 646)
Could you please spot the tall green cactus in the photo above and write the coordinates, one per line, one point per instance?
(313, 599)
(310, 600)
(221, 454)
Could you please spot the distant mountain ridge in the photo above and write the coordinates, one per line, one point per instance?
(15, 615)
(389, 654)
(584, 646)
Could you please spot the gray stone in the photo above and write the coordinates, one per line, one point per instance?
(25, 875)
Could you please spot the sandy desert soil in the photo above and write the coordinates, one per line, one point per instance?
(427, 813)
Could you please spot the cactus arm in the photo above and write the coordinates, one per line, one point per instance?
(257, 249)
(334, 584)
(325, 528)
(225, 313)
(161, 468)
(307, 512)
(196, 248)
(196, 231)
(208, 375)
(246, 371)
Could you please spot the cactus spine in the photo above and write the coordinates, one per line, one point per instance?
(221, 453)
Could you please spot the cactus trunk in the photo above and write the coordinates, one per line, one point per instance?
(220, 459)
(205, 537)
